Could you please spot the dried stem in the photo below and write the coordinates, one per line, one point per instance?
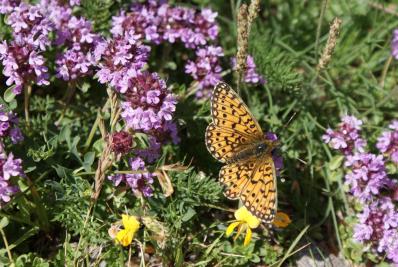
(245, 18)
(243, 42)
(106, 158)
(330, 44)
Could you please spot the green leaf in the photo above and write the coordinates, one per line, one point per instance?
(89, 158)
(4, 222)
(188, 215)
(336, 162)
(9, 95)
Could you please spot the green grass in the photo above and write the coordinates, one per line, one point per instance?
(47, 223)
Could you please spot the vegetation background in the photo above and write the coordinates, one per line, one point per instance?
(46, 224)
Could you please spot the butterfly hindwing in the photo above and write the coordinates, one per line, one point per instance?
(235, 176)
(253, 182)
(259, 194)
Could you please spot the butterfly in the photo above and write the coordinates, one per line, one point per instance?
(235, 138)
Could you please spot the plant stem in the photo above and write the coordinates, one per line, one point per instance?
(385, 70)
(7, 247)
(27, 93)
(318, 30)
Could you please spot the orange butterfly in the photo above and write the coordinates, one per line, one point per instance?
(235, 138)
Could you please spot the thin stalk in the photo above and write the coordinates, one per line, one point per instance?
(27, 94)
(318, 30)
(385, 70)
(7, 247)
(70, 91)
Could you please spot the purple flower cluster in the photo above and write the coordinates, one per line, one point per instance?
(367, 175)
(370, 184)
(251, 76)
(206, 69)
(9, 126)
(21, 57)
(9, 167)
(158, 22)
(30, 26)
(139, 182)
(120, 60)
(148, 107)
(387, 143)
(75, 35)
(346, 138)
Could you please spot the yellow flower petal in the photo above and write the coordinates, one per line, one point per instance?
(130, 223)
(124, 237)
(281, 220)
(231, 228)
(248, 237)
(242, 214)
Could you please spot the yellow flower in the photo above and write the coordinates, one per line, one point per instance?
(126, 235)
(245, 221)
(281, 220)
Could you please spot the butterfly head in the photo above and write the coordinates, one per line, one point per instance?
(266, 147)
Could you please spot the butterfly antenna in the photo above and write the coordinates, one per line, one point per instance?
(289, 121)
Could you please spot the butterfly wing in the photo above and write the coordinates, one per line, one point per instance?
(233, 127)
(254, 182)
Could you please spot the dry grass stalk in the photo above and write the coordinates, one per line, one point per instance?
(327, 53)
(254, 8)
(243, 38)
(104, 163)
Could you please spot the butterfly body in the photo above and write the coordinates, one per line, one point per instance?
(258, 149)
(235, 138)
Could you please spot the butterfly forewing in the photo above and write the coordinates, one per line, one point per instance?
(233, 130)
(233, 127)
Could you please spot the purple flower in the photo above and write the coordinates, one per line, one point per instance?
(206, 69)
(140, 183)
(367, 175)
(9, 167)
(158, 22)
(375, 223)
(394, 44)
(389, 244)
(251, 76)
(120, 60)
(346, 138)
(148, 104)
(30, 26)
(9, 126)
(152, 153)
(7, 6)
(22, 65)
(387, 143)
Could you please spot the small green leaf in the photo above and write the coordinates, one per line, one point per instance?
(188, 215)
(336, 162)
(9, 95)
(4, 222)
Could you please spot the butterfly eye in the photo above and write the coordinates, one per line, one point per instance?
(261, 148)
